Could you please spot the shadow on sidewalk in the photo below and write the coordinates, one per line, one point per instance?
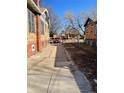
(62, 61)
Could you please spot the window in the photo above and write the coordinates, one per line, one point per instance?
(42, 27)
(31, 21)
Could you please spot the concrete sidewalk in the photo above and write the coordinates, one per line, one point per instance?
(52, 71)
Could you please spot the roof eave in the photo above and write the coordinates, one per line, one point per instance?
(33, 7)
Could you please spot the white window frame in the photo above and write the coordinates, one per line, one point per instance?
(42, 27)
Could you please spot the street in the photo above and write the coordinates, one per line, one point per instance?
(53, 71)
(85, 57)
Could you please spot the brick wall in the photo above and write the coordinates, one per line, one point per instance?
(35, 41)
(38, 38)
(90, 33)
(91, 37)
(32, 38)
(31, 50)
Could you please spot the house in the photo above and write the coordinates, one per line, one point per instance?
(70, 33)
(45, 24)
(33, 14)
(90, 32)
(37, 28)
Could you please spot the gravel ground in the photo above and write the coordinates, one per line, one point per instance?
(85, 57)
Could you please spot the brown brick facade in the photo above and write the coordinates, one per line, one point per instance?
(38, 38)
(91, 32)
(31, 52)
(35, 41)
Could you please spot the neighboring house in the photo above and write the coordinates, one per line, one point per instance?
(35, 28)
(91, 32)
(45, 24)
(71, 33)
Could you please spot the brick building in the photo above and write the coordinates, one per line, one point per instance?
(35, 28)
(91, 32)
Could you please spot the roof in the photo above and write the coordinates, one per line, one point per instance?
(88, 20)
(33, 7)
(43, 10)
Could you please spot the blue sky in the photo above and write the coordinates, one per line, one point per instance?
(76, 6)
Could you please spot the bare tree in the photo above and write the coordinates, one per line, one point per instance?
(55, 23)
(93, 14)
(77, 22)
(73, 22)
(70, 18)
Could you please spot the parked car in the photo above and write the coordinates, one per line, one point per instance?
(51, 41)
(57, 40)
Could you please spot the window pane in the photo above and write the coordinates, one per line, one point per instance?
(42, 27)
(31, 21)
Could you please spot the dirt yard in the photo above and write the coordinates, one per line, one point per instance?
(85, 57)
